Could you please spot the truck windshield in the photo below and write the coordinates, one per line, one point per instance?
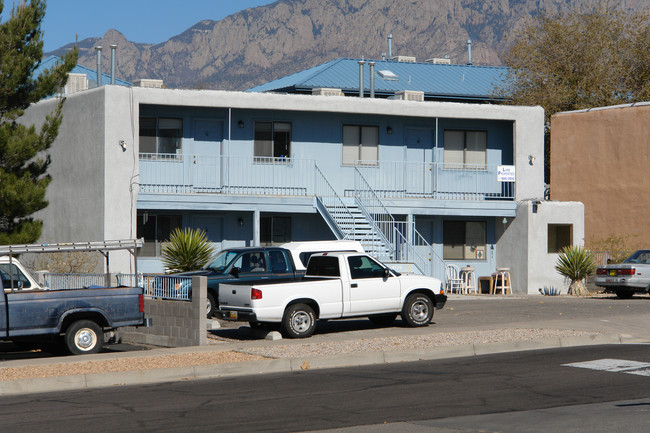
(222, 261)
(641, 256)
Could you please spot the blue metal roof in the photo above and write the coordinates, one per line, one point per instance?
(91, 74)
(437, 81)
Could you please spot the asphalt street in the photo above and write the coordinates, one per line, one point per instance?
(513, 392)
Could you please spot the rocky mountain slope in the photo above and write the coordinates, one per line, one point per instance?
(257, 45)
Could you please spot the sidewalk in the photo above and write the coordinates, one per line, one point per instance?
(452, 335)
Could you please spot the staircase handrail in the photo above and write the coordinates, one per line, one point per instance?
(325, 190)
(368, 208)
(392, 236)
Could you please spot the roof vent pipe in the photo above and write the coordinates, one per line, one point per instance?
(390, 45)
(469, 51)
(372, 79)
(361, 88)
(113, 48)
(99, 65)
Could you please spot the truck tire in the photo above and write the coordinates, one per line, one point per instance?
(417, 310)
(210, 306)
(383, 319)
(624, 293)
(84, 336)
(299, 321)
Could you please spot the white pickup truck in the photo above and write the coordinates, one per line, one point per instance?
(336, 285)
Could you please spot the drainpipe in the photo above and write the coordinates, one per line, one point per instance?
(99, 65)
(113, 48)
(372, 79)
(361, 88)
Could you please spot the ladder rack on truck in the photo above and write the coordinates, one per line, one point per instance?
(102, 247)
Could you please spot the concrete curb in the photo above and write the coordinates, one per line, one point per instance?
(140, 377)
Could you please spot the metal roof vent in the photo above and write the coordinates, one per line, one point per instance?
(388, 75)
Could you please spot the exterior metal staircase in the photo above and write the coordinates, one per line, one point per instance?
(364, 218)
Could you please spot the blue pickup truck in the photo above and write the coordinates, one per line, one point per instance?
(76, 317)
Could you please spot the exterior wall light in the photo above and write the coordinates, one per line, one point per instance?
(389, 130)
(240, 222)
(241, 123)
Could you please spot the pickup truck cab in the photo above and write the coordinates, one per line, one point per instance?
(15, 276)
(336, 285)
(243, 264)
(627, 278)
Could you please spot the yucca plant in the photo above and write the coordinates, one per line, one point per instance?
(186, 250)
(576, 263)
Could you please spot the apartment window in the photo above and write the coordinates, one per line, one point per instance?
(360, 145)
(464, 240)
(464, 147)
(559, 236)
(161, 135)
(155, 229)
(272, 141)
(275, 230)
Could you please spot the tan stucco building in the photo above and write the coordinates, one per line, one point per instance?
(601, 158)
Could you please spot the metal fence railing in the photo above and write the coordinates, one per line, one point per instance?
(59, 281)
(443, 181)
(154, 285)
(226, 174)
(167, 287)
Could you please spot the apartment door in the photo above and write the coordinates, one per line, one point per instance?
(419, 161)
(205, 164)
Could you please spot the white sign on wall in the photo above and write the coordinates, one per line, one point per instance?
(506, 173)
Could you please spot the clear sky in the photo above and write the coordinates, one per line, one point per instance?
(148, 21)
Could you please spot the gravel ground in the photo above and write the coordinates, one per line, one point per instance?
(283, 351)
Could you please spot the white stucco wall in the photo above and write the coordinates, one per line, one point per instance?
(523, 246)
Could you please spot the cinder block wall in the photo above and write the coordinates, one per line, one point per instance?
(174, 323)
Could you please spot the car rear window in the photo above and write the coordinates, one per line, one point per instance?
(323, 266)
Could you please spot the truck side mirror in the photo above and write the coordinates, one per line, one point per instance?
(386, 273)
(234, 271)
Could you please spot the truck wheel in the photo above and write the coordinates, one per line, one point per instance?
(210, 305)
(624, 294)
(417, 310)
(84, 336)
(299, 321)
(383, 319)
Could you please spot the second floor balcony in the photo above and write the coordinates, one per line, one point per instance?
(240, 175)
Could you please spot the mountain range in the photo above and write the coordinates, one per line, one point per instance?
(260, 44)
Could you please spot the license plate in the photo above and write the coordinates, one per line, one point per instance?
(612, 272)
(232, 315)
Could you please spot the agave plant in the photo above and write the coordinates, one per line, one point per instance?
(186, 250)
(576, 263)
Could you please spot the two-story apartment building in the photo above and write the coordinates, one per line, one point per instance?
(421, 183)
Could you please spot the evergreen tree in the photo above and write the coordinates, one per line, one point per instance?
(23, 158)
